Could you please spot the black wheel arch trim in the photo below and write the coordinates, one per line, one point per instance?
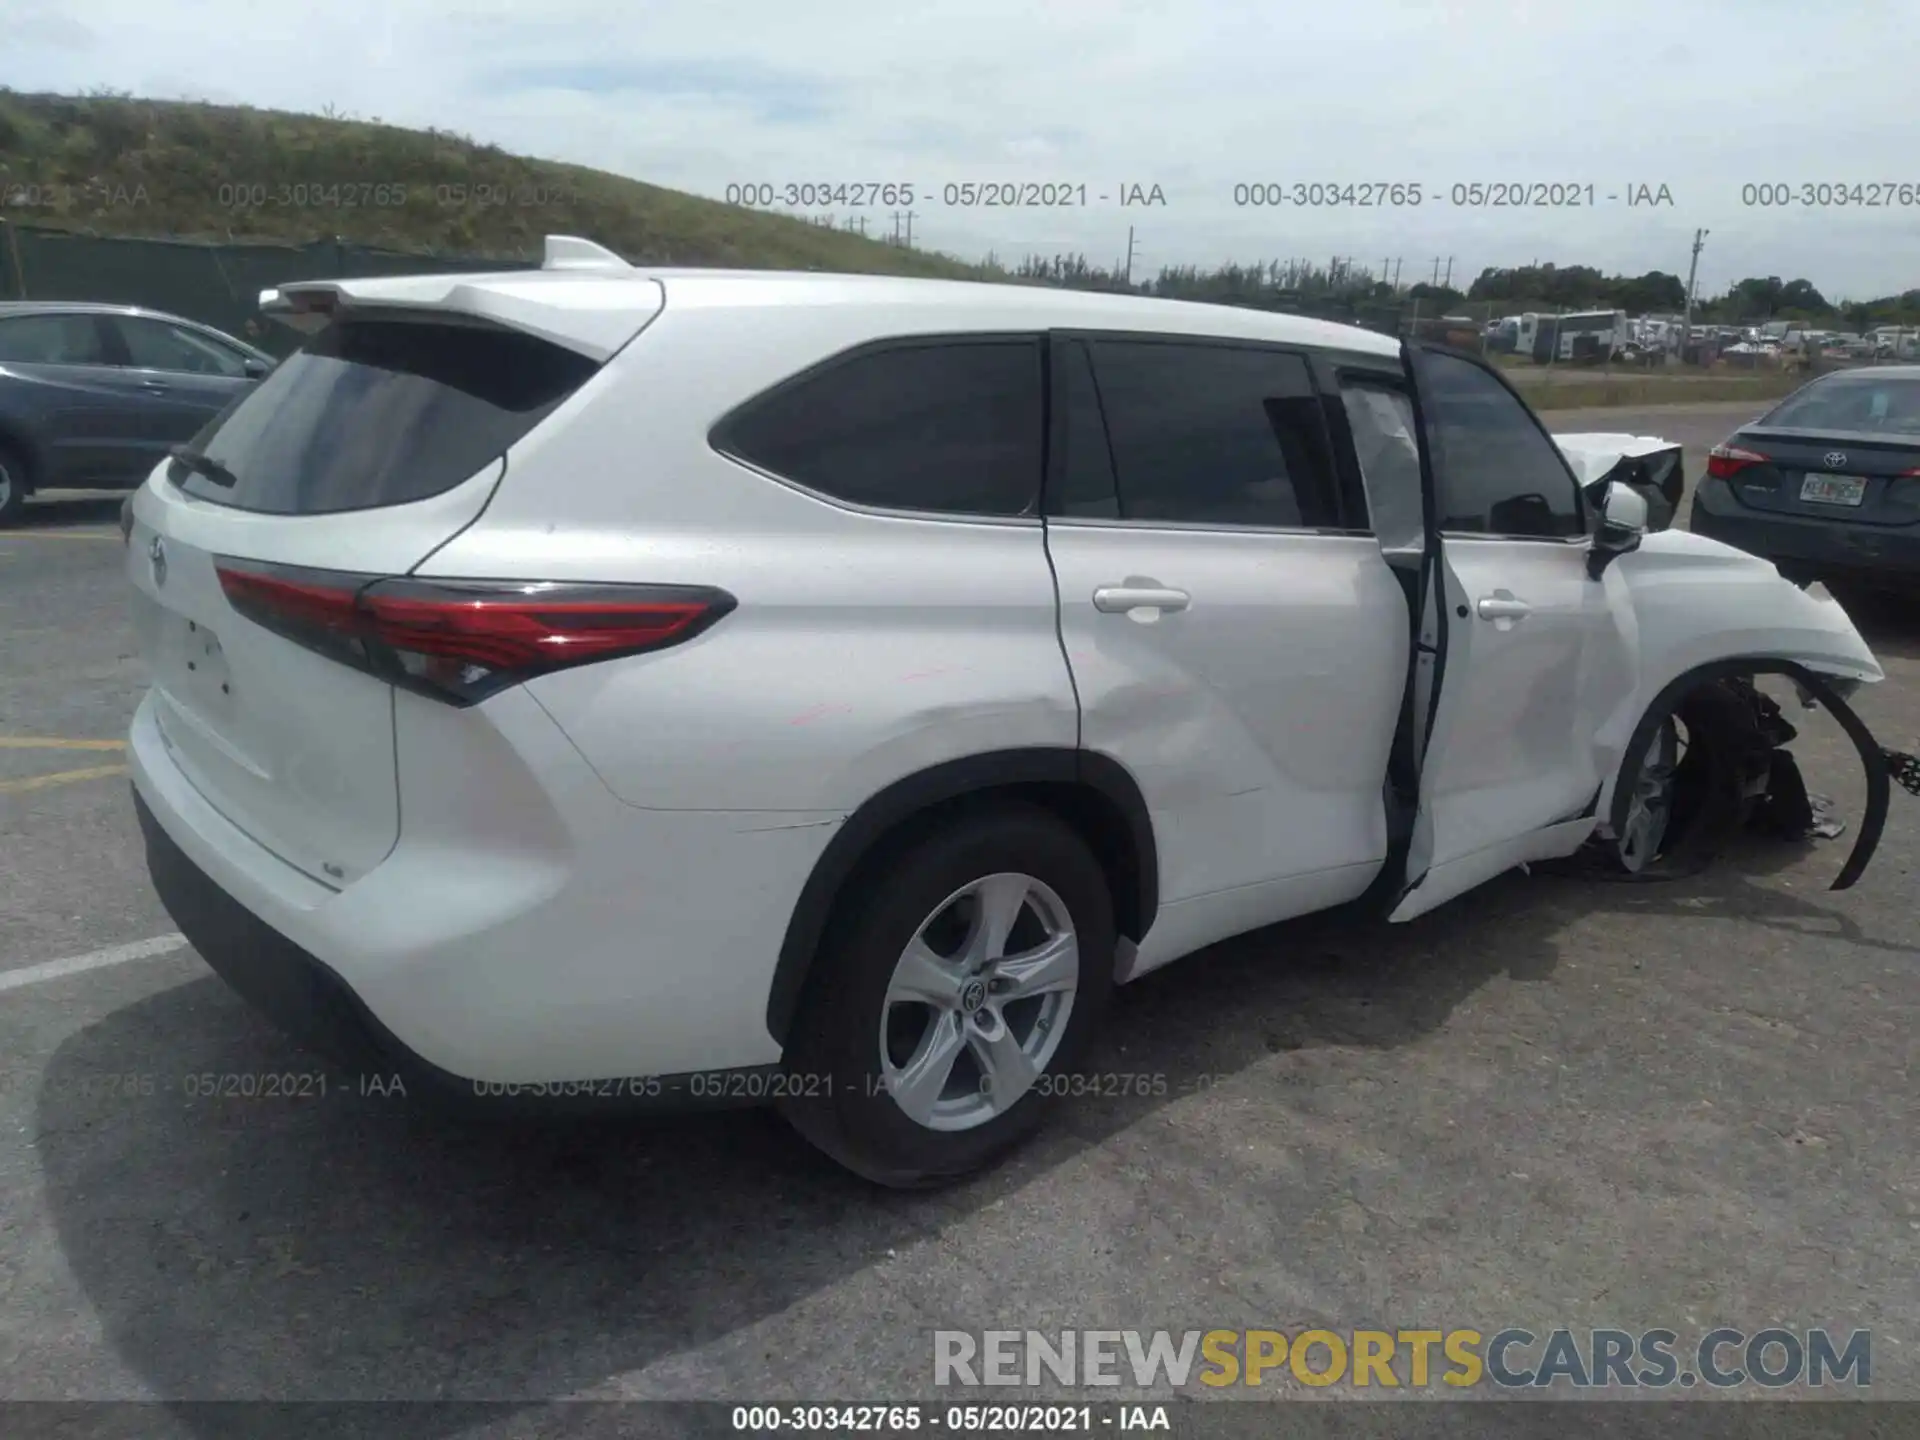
(940, 784)
(1872, 759)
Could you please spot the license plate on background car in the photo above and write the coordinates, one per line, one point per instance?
(1833, 489)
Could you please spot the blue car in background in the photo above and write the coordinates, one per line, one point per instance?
(94, 396)
(1827, 483)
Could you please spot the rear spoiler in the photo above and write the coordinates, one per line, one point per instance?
(594, 325)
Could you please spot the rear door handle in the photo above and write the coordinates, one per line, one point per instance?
(1503, 605)
(1119, 599)
(159, 385)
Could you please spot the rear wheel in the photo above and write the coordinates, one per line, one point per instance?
(13, 486)
(951, 997)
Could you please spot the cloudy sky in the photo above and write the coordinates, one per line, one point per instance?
(1703, 97)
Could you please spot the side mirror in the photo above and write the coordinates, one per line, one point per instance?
(1623, 525)
(255, 368)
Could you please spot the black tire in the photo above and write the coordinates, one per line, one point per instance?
(13, 486)
(836, 1097)
(1707, 790)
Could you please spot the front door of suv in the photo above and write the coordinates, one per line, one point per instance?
(1237, 642)
(1529, 652)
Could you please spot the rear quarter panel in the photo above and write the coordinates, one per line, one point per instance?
(865, 646)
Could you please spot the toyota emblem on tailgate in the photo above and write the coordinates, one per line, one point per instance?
(1834, 459)
(157, 557)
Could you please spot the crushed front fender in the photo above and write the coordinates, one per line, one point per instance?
(1879, 764)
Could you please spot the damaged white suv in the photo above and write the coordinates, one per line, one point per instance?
(690, 686)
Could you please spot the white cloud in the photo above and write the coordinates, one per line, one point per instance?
(1194, 95)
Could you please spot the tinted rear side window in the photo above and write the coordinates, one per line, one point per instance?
(381, 412)
(51, 340)
(1215, 435)
(952, 427)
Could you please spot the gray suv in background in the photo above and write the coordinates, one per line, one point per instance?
(94, 396)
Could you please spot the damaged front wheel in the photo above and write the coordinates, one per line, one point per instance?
(1682, 791)
(1650, 810)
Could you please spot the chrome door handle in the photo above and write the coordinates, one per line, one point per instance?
(154, 385)
(1503, 605)
(1119, 599)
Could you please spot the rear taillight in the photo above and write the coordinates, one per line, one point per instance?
(1726, 461)
(463, 640)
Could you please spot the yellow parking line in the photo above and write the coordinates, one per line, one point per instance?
(64, 777)
(58, 535)
(10, 742)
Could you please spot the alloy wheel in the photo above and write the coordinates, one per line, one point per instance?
(978, 1002)
(1650, 808)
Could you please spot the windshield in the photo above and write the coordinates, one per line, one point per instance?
(1889, 406)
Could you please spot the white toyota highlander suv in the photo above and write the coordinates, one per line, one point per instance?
(711, 686)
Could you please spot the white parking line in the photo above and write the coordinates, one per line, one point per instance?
(92, 960)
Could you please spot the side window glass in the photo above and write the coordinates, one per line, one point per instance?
(1498, 472)
(1215, 435)
(1083, 473)
(952, 427)
(50, 340)
(155, 345)
(1381, 419)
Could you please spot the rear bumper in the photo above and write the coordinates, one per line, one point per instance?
(316, 1007)
(632, 949)
(1824, 546)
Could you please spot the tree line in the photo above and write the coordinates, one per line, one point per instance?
(1341, 287)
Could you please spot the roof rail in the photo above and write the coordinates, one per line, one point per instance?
(570, 252)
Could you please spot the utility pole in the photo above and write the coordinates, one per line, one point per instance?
(1127, 274)
(1449, 282)
(909, 229)
(1693, 271)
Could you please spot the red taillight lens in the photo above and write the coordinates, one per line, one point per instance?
(1726, 461)
(463, 640)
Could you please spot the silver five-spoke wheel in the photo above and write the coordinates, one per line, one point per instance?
(978, 1002)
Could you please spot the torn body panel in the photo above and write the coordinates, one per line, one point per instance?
(1651, 465)
(1687, 604)
(1746, 733)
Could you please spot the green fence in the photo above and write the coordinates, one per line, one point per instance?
(216, 284)
(219, 284)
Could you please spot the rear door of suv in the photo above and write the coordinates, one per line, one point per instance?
(1237, 639)
(358, 457)
(61, 391)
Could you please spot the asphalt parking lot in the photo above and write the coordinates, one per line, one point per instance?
(1555, 1103)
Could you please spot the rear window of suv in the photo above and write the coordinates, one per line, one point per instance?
(375, 412)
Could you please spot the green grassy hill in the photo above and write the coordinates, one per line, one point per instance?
(113, 165)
